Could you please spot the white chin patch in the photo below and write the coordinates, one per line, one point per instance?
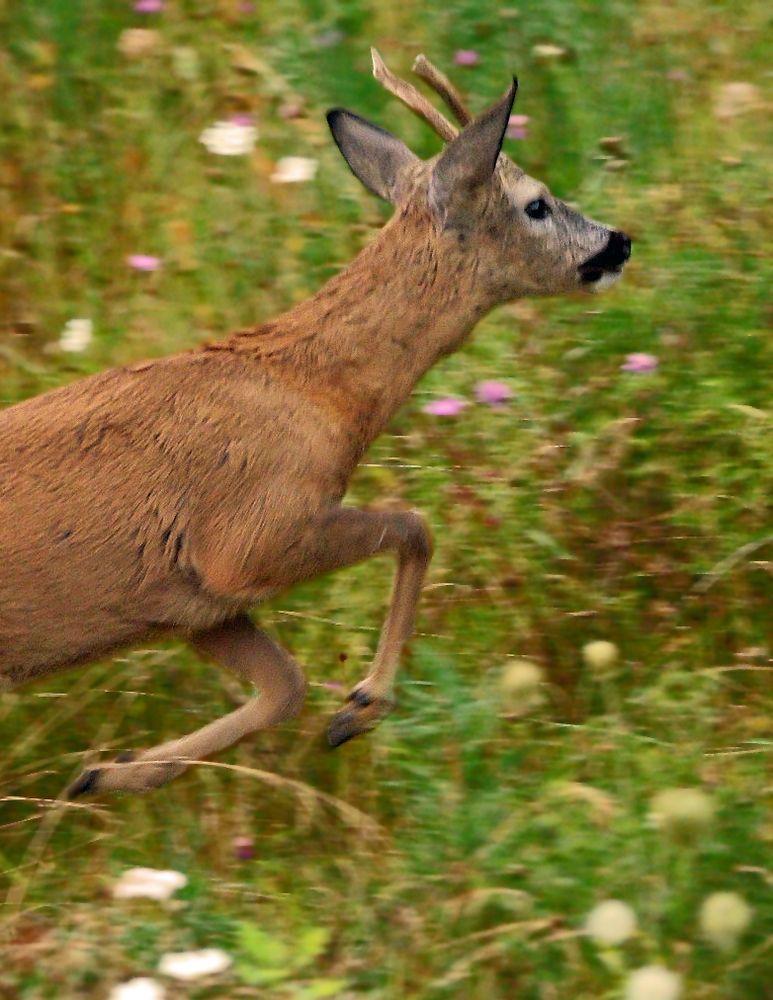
(605, 281)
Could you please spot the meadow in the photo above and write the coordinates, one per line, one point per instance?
(458, 850)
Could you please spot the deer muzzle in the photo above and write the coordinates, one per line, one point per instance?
(609, 260)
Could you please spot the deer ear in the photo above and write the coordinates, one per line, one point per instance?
(468, 161)
(374, 155)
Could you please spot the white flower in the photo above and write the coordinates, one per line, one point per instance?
(611, 922)
(653, 982)
(724, 917)
(682, 813)
(134, 43)
(138, 989)
(600, 656)
(229, 138)
(188, 965)
(76, 335)
(148, 883)
(294, 170)
(520, 684)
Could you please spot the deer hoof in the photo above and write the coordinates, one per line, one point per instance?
(85, 784)
(362, 713)
(125, 774)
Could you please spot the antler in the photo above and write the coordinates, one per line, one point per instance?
(439, 82)
(411, 97)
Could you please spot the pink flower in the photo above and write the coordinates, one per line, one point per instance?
(244, 848)
(466, 57)
(516, 127)
(677, 75)
(291, 109)
(493, 393)
(450, 406)
(149, 6)
(143, 262)
(640, 364)
(244, 120)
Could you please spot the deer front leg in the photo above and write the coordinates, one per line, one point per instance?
(250, 653)
(346, 536)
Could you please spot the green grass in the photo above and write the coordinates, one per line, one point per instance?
(456, 851)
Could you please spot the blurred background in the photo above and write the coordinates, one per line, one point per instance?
(585, 712)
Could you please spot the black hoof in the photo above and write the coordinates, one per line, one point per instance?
(360, 697)
(85, 784)
(341, 729)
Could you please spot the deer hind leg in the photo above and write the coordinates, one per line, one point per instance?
(251, 654)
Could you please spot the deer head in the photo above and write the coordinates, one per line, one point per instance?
(488, 217)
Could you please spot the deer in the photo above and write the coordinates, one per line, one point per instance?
(171, 497)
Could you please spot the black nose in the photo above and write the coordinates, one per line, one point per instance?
(622, 243)
(611, 258)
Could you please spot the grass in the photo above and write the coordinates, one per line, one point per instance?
(456, 851)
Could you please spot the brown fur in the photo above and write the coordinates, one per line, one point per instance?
(170, 496)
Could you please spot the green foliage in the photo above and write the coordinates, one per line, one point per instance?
(455, 851)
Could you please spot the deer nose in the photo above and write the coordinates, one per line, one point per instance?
(620, 244)
(615, 253)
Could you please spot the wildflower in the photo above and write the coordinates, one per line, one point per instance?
(76, 335)
(724, 916)
(243, 847)
(245, 120)
(149, 6)
(134, 43)
(600, 656)
(141, 988)
(653, 982)
(520, 684)
(682, 813)
(547, 52)
(329, 38)
(677, 75)
(640, 363)
(294, 170)
(611, 922)
(450, 406)
(143, 262)
(466, 57)
(516, 127)
(227, 138)
(493, 393)
(291, 109)
(188, 965)
(148, 883)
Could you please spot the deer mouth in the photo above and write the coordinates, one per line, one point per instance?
(608, 263)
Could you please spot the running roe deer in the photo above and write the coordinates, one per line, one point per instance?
(171, 496)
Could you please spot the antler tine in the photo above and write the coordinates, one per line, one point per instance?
(440, 83)
(411, 97)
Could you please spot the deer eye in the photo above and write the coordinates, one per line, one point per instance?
(537, 209)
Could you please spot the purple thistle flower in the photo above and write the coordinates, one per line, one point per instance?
(493, 393)
(450, 406)
(243, 848)
(516, 127)
(143, 262)
(466, 57)
(640, 363)
(329, 38)
(149, 6)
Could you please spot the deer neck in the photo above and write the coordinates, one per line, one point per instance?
(362, 342)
